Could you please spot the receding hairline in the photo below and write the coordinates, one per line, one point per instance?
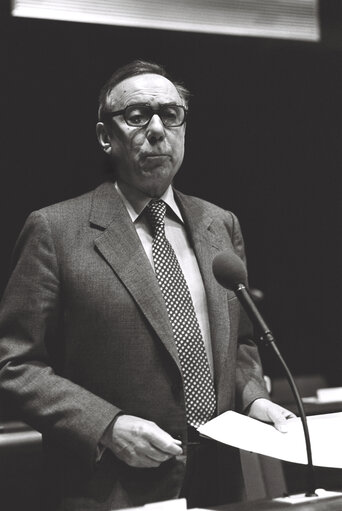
(133, 69)
(163, 78)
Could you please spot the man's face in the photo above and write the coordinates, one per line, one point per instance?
(146, 158)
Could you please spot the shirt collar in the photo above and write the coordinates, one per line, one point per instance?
(135, 209)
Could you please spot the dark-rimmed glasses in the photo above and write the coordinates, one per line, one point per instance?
(139, 115)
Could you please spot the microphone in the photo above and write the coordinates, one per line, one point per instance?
(230, 271)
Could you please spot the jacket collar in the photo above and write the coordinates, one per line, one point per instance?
(119, 244)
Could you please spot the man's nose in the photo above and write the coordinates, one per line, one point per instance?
(155, 131)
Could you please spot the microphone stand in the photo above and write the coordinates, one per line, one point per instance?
(311, 480)
(268, 339)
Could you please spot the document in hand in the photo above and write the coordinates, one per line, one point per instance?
(252, 435)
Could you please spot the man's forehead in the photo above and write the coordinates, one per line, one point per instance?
(145, 86)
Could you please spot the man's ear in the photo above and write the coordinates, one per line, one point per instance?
(103, 137)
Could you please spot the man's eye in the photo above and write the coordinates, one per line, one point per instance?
(137, 117)
(170, 113)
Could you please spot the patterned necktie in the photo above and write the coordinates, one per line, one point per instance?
(200, 400)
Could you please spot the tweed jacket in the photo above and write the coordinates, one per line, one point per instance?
(84, 334)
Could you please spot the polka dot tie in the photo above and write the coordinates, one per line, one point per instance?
(200, 400)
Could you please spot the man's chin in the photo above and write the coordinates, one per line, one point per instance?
(156, 181)
(155, 189)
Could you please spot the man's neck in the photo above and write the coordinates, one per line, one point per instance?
(136, 205)
(137, 198)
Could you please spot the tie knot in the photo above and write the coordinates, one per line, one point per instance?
(156, 210)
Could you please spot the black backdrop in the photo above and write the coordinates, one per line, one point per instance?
(263, 140)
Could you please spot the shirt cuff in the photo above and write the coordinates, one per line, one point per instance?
(101, 448)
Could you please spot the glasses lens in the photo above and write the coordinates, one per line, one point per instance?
(138, 115)
(172, 115)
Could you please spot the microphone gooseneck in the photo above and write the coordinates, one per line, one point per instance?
(230, 271)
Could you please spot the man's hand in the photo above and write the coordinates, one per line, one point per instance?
(265, 410)
(140, 443)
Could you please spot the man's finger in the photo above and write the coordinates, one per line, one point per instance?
(142, 461)
(163, 441)
(147, 462)
(157, 455)
(280, 425)
(279, 419)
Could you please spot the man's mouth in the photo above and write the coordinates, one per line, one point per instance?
(157, 155)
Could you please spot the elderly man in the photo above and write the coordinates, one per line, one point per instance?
(116, 341)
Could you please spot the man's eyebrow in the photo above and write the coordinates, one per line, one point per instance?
(142, 103)
(172, 103)
(137, 103)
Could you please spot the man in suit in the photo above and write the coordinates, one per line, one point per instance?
(90, 352)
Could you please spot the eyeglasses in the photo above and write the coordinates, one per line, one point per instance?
(139, 115)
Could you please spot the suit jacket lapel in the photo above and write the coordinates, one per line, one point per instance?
(206, 244)
(120, 245)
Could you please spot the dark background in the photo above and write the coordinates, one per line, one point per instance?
(263, 140)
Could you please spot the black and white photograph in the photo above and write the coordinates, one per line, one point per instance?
(171, 256)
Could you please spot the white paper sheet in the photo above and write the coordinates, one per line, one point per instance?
(252, 435)
(165, 505)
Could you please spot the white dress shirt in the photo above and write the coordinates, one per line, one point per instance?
(177, 237)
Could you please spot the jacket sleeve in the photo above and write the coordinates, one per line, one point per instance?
(250, 384)
(30, 311)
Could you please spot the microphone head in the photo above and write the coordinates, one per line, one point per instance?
(229, 270)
